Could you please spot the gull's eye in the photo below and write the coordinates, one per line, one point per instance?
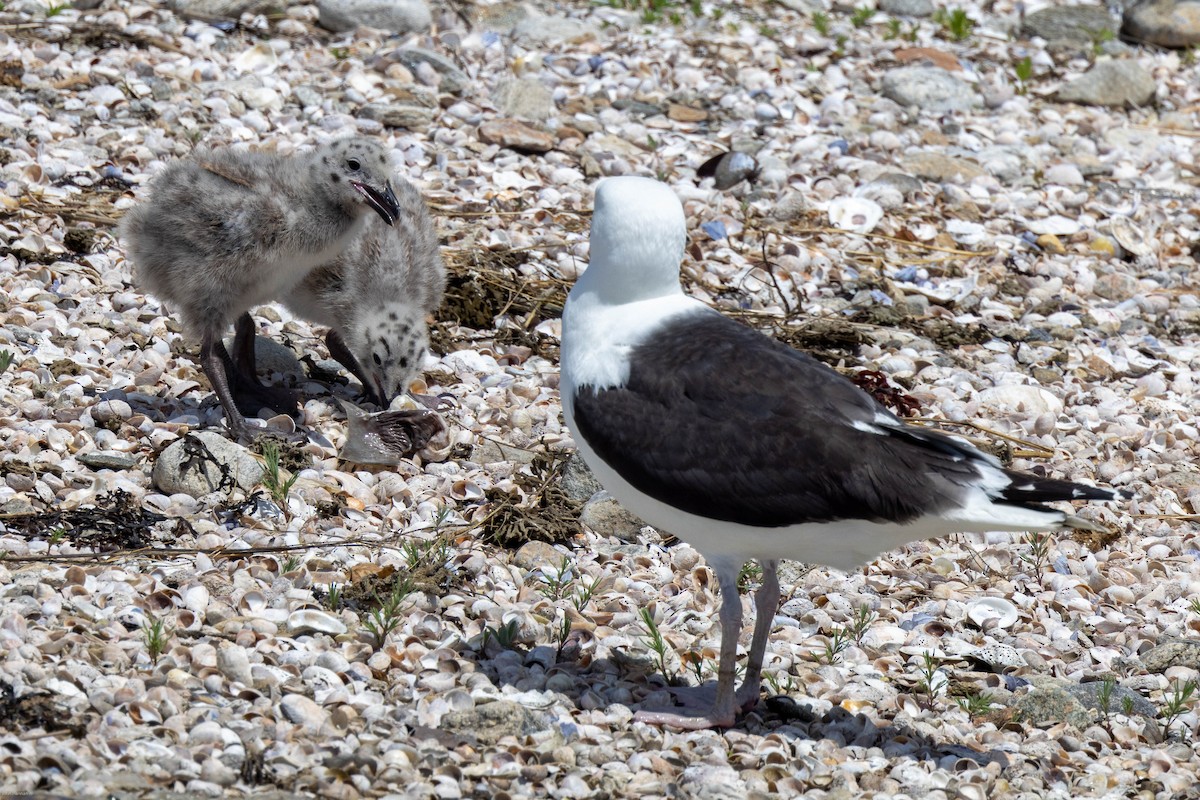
(354, 164)
(378, 360)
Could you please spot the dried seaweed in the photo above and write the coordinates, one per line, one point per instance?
(19, 715)
(876, 384)
(548, 515)
(116, 522)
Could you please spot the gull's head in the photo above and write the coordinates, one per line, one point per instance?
(389, 340)
(637, 240)
(360, 172)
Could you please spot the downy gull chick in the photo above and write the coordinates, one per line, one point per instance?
(747, 448)
(374, 298)
(224, 230)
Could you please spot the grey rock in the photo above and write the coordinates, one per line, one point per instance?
(271, 357)
(111, 412)
(516, 136)
(108, 459)
(179, 471)
(525, 98)
(304, 711)
(234, 664)
(538, 555)
(929, 89)
(1071, 23)
(1052, 704)
(1006, 162)
(219, 9)
(1053, 700)
(607, 517)
(490, 722)
(1110, 83)
(907, 8)
(1121, 697)
(1169, 23)
(790, 207)
(307, 96)
(1174, 653)
(397, 16)
(580, 484)
(940, 168)
(547, 31)
(453, 79)
(408, 117)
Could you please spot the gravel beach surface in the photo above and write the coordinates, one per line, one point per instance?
(989, 217)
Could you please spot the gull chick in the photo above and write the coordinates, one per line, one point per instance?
(375, 297)
(224, 230)
(747, 448)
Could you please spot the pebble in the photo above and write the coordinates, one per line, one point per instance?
(1168, 23)
(1075, 23)
(394, 16)
(930, 89)
(198, 468)
(607, 517)
(1110, 83)
(301, 710)
(907, 8)
(516, 135)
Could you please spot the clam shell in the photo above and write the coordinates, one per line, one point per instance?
(729, 169)
(1129, 236)
(987, 612)
(856, 214)
(387, 437)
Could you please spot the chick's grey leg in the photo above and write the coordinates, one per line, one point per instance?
(217, 364)
(248, 389)
(339, 350)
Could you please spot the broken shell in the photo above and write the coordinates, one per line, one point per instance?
(996, 657)
(1129, 236)
(387, 437)
(992, 612)
(1056, 224)
(854, 214)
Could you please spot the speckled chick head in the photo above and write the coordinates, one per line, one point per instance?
(362, 165)
(389, 342)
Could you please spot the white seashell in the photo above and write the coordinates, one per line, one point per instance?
(989, 612)
(856, 214)
(1020, 398)
(260, 59)
(1129, 236)
(310, 620)
(1055, 224)
(965, 232)
(997, 656)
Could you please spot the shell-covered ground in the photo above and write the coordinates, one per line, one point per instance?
(1005, 263)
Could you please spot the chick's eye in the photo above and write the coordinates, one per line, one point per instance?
(378, 360)
(354, 164)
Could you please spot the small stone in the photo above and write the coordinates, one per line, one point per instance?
(219, 9)
(311, 620)
(607, 517)
(1116, 286)
(111, 412)
(547, 31)
(234, 664)
(453, 79)
(1051, 244)
(1173, 653)
(525, 98)
(490, 722)
(516, 135)
(271, 357)
(1051, 704)
(1169, 23)
(938, 58)
(408, 117)
(198, 463)
(578, 482)
(301, 710)
(929, 89)
(538, 555)
(681, 113)
(1110, 83)
(1064, 175)
(396, 16)
(213, 770)
(941, 168)
(907, 8)
(1076, 23)
(107, 459)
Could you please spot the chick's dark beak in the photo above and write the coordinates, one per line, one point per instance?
(385, 203)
